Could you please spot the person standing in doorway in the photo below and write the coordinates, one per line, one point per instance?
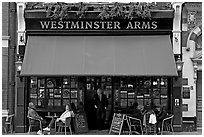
(100, 104)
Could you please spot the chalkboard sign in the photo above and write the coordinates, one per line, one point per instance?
(80, 123)
(117, 123)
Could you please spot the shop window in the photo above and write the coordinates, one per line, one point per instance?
(152, 90)
(127, 91)
(51, 92)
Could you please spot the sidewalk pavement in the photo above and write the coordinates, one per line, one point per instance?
(106, 132)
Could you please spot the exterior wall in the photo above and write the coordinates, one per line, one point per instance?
(188, 70)
(5, 18)
(5, 44)
(191, 22)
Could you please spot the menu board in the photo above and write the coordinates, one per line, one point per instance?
(117, 123)
(80, 123)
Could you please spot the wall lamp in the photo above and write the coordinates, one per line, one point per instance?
(195, 68)
(19, 65)
(179, 64)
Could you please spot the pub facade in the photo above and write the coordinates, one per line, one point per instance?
(67, 53)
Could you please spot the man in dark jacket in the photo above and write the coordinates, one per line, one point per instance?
(100, 103)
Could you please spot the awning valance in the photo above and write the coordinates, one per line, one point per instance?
(99, 55)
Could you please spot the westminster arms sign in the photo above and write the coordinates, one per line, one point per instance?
(92, 25)
(97, 25)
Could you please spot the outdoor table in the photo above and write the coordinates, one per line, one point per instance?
(51, 116)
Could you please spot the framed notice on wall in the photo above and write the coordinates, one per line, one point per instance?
(186, 92)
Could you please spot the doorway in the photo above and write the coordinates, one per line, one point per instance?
(92, 84)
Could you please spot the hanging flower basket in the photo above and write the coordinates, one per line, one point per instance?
(115, 10)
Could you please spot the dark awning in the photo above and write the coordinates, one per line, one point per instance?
(99, 55)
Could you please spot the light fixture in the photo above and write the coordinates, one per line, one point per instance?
(19, 65)
(162, 83)
(179, 64)
(155, 83)
(195, 68)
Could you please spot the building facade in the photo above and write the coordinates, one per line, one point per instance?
(192, 69)
(66, 55)
(8, 56)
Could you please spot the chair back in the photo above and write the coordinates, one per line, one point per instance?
(167, 124)
(169, 119)
(134, 121)
(9, 119)
(68, 121)
(31, 119)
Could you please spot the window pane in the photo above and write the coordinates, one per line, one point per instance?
(130, 102)
(33, 82)
(41, 82)
(58, 83)
(50, 93)
(157, 102)
(156, 93)
(74, 101)
(50, 102)
(156, 82)
(123, 103)
(57, 102)
(73, 82)
(41, 93)
(33, 93)
(66, 82)
(140, 102)
(66, 101)
(163, 91)
(123, 94)
(57, 93)
(131, 94)
(51, 83)
(73, 93)
(66, 93)
(163, 83)
(164, 102)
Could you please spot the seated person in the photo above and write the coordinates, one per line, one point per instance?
(161, 115)
(137, 114)
(68, 113)
(32, 113)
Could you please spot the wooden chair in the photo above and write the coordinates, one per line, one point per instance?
(134, 125)
(167, 124)
(31, 125)
(9, 123)
(62, 125)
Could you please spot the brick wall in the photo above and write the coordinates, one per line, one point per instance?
(5, 43)
(5, 10)
(4, 77)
